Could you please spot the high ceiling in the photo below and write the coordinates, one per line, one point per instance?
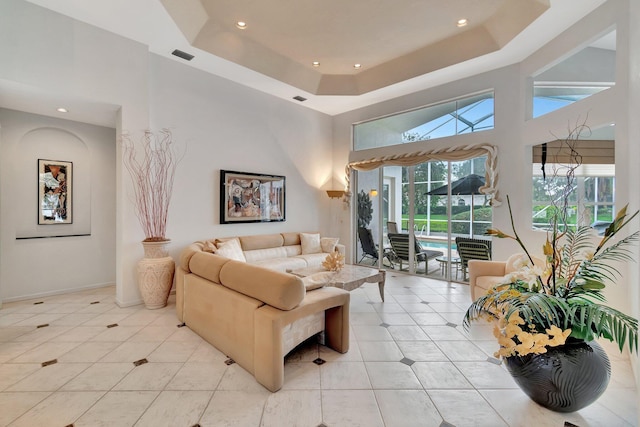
(392, 41)
(403, 45)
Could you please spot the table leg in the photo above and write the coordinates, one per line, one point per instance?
(381, 285)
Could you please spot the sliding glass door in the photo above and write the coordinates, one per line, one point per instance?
(417, 212)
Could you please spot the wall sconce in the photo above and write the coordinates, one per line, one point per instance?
(335, 194)
(373, 192)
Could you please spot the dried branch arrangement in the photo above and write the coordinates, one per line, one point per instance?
(152, 165)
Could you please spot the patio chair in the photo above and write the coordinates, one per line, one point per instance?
(469, 249)
(400, 247)
(369, 247)
(392, 227)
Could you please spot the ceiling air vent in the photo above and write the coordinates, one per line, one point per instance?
(183, 55)
(299, 98)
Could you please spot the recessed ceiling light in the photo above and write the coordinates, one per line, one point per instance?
(315, 63)
(241, 24)
(357, 66)
(462, 22)
(62, 110)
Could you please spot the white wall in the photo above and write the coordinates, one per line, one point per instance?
(225, 125)
(31, 266)
(228, 126)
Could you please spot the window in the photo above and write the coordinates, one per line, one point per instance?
(550, 98)
(471, 114)
(585, 73)
(591, 201)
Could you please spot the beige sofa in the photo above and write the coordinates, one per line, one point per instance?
(484, 275)
(253, 314)
(282, 251)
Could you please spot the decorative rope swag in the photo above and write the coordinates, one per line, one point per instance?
(447, 154)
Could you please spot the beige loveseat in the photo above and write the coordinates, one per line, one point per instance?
(484, 275)
(253, 314)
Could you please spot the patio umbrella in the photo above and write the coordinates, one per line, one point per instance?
(468, 185)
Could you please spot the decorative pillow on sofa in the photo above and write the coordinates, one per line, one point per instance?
(317, 280)
(209, 246)
(328, 244)
(231, 249)
(310, 243)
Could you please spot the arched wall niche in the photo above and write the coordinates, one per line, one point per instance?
(51, 143)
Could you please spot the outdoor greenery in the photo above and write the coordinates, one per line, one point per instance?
(365, 209)
(436, 173)
(439, 221)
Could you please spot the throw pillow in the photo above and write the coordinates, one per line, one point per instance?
(209, 246)
(231, 249)
(328, 244)
(310, 243)
(317, 280)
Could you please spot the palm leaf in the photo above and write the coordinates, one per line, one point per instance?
(576, 241)
(602, 321)
(541, 309)
(598, 269)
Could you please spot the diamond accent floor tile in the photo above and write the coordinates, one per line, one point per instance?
(409, 359)
(407, 362)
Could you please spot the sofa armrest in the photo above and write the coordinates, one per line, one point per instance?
(280, 290)
(479, 268)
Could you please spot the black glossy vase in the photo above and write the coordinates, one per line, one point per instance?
(565, 378)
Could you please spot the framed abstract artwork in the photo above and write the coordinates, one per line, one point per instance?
(251, 197)
(55, 192)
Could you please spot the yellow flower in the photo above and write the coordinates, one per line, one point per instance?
(511, 330)
(559, 336)
(516, 319)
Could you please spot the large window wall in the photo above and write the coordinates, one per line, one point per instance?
(418, 201)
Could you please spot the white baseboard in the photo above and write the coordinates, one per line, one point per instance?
(57, 292)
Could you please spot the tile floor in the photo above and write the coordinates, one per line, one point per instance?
(410, 364)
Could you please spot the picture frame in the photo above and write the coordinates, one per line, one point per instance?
(251, 197)
(55, 192)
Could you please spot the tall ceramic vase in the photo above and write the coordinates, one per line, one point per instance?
(155, 274)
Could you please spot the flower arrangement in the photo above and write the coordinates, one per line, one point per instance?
(537, 307)
(334, 261)
(546, 302)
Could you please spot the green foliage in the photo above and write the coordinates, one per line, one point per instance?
(365, 209)
(568, 293)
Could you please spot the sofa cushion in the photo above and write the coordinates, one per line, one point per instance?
(231, 249)
(310, 243)
(261, 241)
(313, 260)
(293, 250)
(291, 239)
(209, 246)
(282, 264)
(281, 290)
(328, 244)
(263, 254)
